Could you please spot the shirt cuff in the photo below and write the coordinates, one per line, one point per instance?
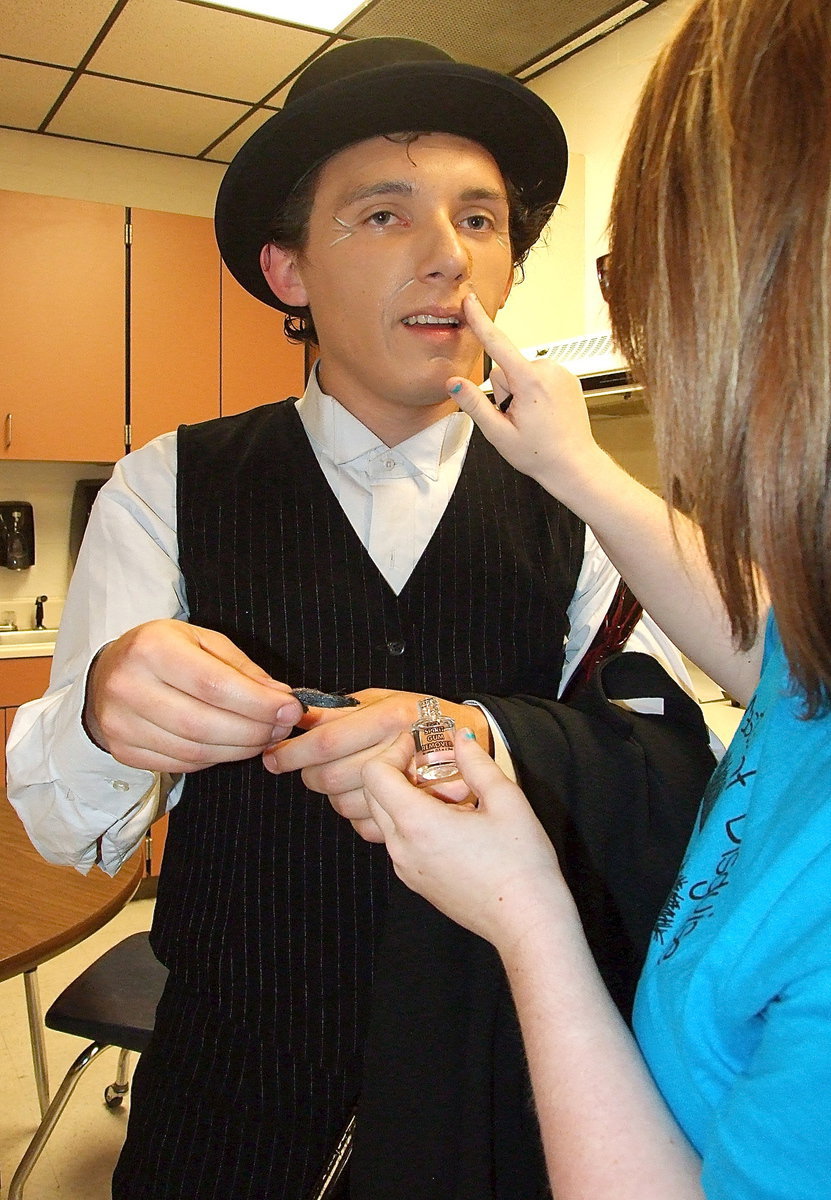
(104, 807)
(501, 753)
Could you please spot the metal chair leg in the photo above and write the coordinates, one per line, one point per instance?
(50, 1118)
(114, 1093)
(335, 1167)
(35, 1015)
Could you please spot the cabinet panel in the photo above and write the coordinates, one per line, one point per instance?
(6, 718)
(259, 364)
(174, 322)
(62, 335)
(158, 834)
(21, 679)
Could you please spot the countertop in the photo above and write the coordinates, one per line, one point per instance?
(721, 713)
(28, 643)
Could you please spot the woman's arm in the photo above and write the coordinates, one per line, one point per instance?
(546, 434)
(605, 1128)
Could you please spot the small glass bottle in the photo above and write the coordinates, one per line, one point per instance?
(434, 735)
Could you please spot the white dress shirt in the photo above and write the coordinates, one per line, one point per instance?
(80, 805)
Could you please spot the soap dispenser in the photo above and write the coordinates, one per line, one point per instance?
(17, 535)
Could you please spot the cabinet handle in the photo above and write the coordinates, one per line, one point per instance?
(8, 430)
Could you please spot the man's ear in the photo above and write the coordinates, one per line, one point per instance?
(282, 275)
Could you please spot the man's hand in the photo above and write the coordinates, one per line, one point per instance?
(168, 696)
(339, 741)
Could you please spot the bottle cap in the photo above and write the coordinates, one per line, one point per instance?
(428, 709)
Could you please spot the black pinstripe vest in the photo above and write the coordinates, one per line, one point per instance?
(269, 904)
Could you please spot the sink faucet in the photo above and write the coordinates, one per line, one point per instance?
(39, 601)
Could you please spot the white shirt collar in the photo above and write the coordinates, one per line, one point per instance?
(343, 439)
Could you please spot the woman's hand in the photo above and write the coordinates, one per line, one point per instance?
(545, 431)
(339, 741)
(488, 865)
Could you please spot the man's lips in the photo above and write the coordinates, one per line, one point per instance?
(435, 319)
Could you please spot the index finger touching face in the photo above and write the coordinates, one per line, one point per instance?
(497, 344)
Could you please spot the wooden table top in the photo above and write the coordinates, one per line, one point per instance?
(45, 909)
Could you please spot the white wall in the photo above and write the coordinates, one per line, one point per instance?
(51, 166)
(49, 487)
(548, 303)
(595, 94)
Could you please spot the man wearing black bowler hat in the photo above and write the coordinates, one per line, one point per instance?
(362, 540)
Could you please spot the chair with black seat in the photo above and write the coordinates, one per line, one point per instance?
(113, 1003)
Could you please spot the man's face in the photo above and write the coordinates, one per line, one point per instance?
(399, 233)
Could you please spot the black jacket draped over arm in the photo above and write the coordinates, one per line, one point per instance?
(445, 1110)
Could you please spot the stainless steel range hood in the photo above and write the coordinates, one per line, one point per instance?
(606, 380)
(604, 376)
(620, 419)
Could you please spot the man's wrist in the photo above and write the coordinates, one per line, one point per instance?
(475, 719)
(89, 722)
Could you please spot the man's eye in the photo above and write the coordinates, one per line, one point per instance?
(382, 217)
(478, 221)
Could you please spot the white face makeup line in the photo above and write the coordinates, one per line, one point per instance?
(348, 228)
(403, 187)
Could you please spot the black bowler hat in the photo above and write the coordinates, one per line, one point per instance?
(361, 90)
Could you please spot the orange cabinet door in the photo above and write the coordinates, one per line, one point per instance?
(6, 718)
(174, 323)
(259, 364)
(62, 337)
(157, 834)
(21, 679)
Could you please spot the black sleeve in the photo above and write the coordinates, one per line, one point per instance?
(445, 1110)
(617, 792)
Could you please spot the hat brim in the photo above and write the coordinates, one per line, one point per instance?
(518, 128)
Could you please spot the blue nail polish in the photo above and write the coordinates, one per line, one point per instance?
(468, 733)
(457, 387)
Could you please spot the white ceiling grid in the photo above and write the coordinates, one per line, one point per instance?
(184, 78)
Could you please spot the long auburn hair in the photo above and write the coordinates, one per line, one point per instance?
(719, 280)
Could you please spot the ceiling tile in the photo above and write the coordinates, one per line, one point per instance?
(52, 31)
(127, 114)
(27, 92)
(279, 97)
(199, 49)
(225, 150)
(501, 36)
(177, 76)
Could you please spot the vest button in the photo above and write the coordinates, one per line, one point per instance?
(396, 648)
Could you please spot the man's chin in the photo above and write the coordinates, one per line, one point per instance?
(443, 368)
(434, 394)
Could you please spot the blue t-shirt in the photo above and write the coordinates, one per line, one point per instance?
(733, 1011)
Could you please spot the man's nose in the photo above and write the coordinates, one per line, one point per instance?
(445, 254)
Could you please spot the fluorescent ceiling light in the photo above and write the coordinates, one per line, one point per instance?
(328, 15)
